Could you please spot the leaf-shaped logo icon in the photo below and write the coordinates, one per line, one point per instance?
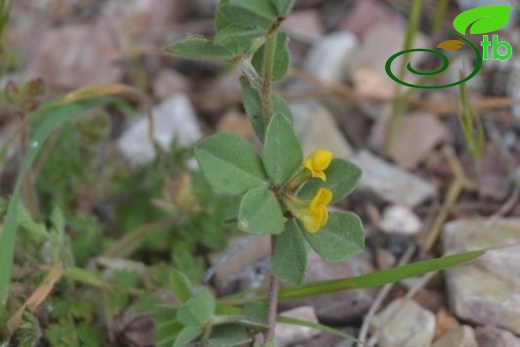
(451, 45)
(482, 20)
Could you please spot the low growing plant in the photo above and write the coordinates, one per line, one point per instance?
(283, 193)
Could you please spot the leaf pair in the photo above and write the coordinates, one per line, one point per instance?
(239, 23)
(342, 237)
(231, 164)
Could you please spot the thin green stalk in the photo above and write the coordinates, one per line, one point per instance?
(270, 50)
(401, 103)
(438, 16)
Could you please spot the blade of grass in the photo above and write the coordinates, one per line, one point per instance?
(378, 278)
(373, 279)
(472, 128)
(438, 16)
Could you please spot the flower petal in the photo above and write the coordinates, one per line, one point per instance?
(318, 161)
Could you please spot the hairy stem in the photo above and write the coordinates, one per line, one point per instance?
(270, 48)
(272, 304)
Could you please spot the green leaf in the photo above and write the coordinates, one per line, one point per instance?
(483, 19)
(260, 212)
(166, 333)
(342, 177)
(340, 238)
(228, 335)
(378, 278)
(234, 33)
(289, 261)
(283, 7)
(200, 48)
(180, 286)
(186, 336)
(282, 152)
(282, 60)
(253, 107)
(249, 13)
(197, 310)
(281, 106)
(230, 163)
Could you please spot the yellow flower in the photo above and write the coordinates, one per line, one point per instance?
(316, 215)
(317, 162)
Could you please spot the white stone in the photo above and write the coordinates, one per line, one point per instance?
(400, 219)
(327, 58)
(287, 334)
(391, 183)
(173, 119)
(404, 323)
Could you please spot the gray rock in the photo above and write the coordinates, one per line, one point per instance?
(404, 323)
(328, 56)
(484, 291)
(173, 119)
(490, 336)
(343, 306)
(391, 183)
(316, 128)
(286, 334)
(463, 336)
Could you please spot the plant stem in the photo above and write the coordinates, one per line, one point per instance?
(272, 304)
(267, 111)
(270, 48)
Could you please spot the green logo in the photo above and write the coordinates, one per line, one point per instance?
(480, 20)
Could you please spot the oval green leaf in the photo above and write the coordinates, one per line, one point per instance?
(282, 153)
(247, 13)
(180, 286)
(230, 163)
(290, 249)
(186, 336)
(483, 19)
(228, 335)
(451, 45)
(197, 310)
(260, 212)
(342, 178)
(200, 48)
(340, 238)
